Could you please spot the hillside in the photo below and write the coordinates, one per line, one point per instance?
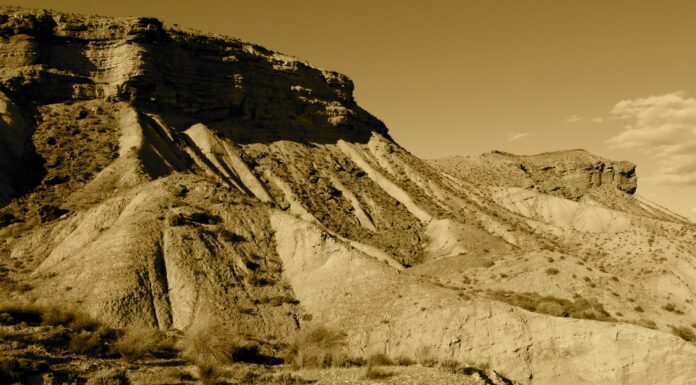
(156, 177)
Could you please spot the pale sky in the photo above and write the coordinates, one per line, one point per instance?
(465, 77)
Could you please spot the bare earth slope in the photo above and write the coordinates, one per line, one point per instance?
(153, 176)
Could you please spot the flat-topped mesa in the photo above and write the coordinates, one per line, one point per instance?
(580, 171)
(184, 76)
(570, 174)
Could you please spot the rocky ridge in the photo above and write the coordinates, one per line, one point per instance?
(155, 176)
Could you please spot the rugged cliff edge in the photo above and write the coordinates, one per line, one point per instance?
(155, 176)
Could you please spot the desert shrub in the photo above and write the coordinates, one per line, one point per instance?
(35, 315)
(670, 307)
(456, 367)
(260, 279)
(95, 342)
(425, 356)
(281, 379)
(317, 346)
(379, 359)
(646, 323)
(250, 378)
(372, 370)
(450, 366)
(208, 345)
(140, 343)
(109, 377)
(552, 271)
(228, 236)
(404, 361)
(14, 369)
(582, 308)
(375, 373)
(550, 308)
(684, 333)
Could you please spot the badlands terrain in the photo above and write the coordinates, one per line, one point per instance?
(179, 207)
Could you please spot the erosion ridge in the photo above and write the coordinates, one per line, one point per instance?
(155, 176)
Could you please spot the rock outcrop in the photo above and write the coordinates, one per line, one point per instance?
(568, 174)
(153, 176)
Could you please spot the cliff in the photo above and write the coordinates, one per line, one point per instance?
(152, 176)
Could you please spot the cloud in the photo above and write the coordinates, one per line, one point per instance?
(574, 118)
(663, 126)
(516, 135)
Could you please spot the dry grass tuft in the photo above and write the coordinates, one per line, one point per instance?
(583, 308)
(318, 346)
(426, 357)
(375, 373)
(208, 345)
(140, 343)
(684, 333)
(109, 377)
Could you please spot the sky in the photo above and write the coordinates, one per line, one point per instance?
(617, 78)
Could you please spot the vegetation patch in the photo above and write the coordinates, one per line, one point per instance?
(208, 345)
(319, 346)
(684, 333)
(581, 308)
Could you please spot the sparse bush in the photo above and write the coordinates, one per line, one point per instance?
(208, 345)
(372, 371)
(670, 307)
(404, 361)
(139, 343)
(552, 271)
(425, 356)
(550, 308)
(260, 279)
(318, 346)
(646, 323)
(92, 341)
(684, 333)
(456, 367)
(379, 359)
(375, 373)
(109, 377)
(580, 308)
(14, 370)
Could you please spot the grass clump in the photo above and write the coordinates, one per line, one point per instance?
(318, 346)
(208, 345)
(373, 370)
(582, 308)
(18, 370)
(684, 333)
(141, 343)
(93, 342)
(426, 357)
(109, 377)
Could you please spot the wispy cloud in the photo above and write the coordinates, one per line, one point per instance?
(663, 126)
(516, 136)
(574, 118)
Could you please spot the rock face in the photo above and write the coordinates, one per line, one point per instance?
(152, 176)
(569, 174)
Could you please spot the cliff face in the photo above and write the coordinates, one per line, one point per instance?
(568, 174)
(154, 176)
(184, 77)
